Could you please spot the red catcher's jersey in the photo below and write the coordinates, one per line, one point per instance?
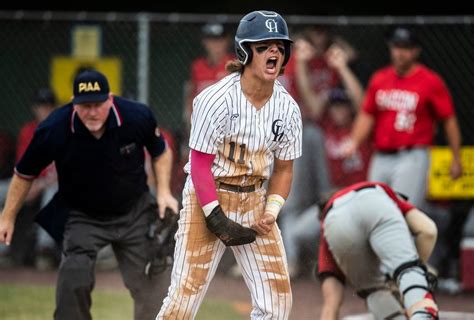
(326, 261)
(405, 108)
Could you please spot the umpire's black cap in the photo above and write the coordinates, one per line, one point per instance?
(90, 86)
(403, 37)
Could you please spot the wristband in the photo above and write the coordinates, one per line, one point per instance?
(274, 204)
(209, 207)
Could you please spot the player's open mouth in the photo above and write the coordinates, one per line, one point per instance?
(271, 64)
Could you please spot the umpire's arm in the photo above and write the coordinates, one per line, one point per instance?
(17, 192)
(162, 166)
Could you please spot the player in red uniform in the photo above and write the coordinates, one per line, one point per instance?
(363, 227)
(209, 68)
(337, 124)
(401, 105)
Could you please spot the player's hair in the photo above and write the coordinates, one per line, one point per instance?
(234, 66)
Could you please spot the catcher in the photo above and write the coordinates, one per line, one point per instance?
(366, 227)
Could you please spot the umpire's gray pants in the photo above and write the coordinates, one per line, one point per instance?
(364, 229)
(84, 237)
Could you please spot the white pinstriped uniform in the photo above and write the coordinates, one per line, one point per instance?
(245, 141)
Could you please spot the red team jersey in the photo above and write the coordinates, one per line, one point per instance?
(406, 108)
(326, 261)
(344, 171)
(203, 75)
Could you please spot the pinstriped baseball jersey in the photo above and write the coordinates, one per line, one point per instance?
(244, 139)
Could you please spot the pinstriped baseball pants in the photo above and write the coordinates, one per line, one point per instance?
(198, 253)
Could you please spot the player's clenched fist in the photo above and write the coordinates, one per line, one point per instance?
(265, 224)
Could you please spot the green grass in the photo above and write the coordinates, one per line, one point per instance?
(21, 302)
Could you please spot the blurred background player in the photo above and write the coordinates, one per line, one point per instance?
(367, 225)
(31, 244)
(208, 68)
(402, 103)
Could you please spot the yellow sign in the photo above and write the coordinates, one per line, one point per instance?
(86, 41)
(440, 184)
(65, 69)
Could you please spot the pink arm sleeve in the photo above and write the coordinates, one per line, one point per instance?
(201, 164)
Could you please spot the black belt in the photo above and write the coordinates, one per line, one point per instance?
(236, 188)
(395, 151)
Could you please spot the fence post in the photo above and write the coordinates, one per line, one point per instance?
(143, 58)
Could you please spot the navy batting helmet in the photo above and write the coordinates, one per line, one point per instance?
(260, 26)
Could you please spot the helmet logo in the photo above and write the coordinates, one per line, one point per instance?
(271, 25)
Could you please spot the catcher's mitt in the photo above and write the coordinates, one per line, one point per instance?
(229, 232)
(161, 234)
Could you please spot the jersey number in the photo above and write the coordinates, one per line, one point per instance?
(405, 122)
(232, 153)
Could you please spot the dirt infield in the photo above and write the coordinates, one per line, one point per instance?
(306, 294)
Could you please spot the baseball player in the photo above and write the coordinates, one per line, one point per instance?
(208, 69)
(240, 127)
(364, 226)
(402, 103)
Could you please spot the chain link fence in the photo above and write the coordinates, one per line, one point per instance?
(147, 56)
(152, 54)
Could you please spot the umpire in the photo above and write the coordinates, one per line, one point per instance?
(97, 144)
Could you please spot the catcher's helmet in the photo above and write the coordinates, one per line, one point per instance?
(260, 26)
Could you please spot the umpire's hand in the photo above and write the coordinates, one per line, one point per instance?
(265, 224)
(6, 229)
(166, 200)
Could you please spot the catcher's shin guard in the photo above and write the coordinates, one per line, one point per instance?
(416, 285)
(424, 309)
(229, 232)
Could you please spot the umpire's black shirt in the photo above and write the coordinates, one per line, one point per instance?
(101, 177)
